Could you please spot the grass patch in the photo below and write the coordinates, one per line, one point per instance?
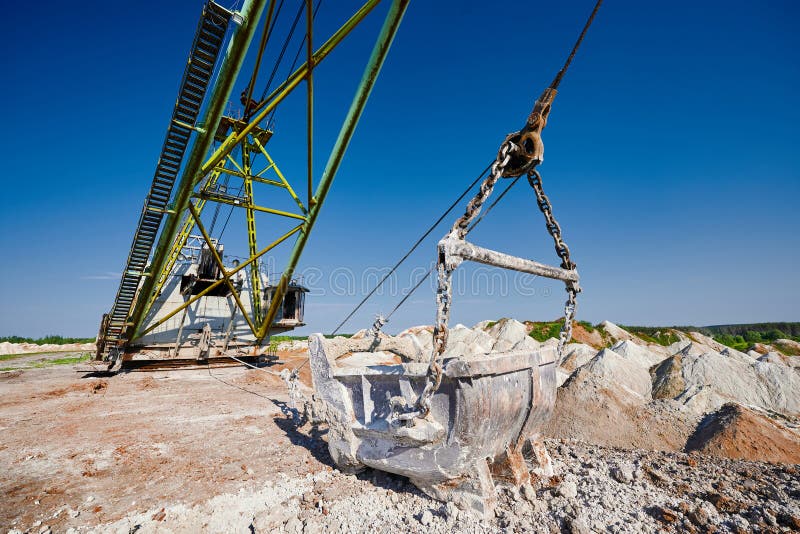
(653, 334)
(587, 326)
(67, 361)
(279, 339)
(4, 357)
(542, 331)
(789, 351)
(71, 360)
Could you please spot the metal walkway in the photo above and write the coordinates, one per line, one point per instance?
(207, 43)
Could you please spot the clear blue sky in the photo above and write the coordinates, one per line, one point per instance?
(671, 154)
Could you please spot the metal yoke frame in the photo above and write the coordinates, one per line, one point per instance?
(201, 173)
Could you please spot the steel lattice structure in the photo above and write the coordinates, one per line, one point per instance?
(203, 144)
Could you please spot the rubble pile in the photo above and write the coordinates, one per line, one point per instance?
(597, 489)
(639, 394)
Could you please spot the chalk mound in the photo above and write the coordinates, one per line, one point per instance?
(720, 379)
(637, 354)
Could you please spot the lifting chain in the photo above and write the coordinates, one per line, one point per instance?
(445, 269)
(554, 229)
(519, 154)
(444, 294)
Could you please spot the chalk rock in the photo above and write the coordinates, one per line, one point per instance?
(616, 333)
(613, 368)
(463, 341)
(575, 355)
(507, 333)
(737, 355)
(636, 354)
(721, 379)
(772, 357)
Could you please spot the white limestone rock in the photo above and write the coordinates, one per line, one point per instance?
(737, 355)
(576, 355)
(772, 357)
(616, 370)
(507, 333)
(463, 341)
(637, 354)
(710, 380)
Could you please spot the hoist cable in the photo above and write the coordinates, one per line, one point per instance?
(557, 79)
(269, 25)
(473, 225)
(296, 57)
(283, 50)
(414, 247)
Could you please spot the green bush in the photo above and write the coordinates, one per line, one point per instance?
(46, 340)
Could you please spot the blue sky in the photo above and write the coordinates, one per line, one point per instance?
(670, 156)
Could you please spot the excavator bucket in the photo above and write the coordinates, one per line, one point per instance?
(486, 413)
(454, 422)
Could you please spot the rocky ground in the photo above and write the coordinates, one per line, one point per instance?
(218, 449)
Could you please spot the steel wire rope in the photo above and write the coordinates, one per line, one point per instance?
(284, 47)
(294, 62)
(225, 181)
(473, 225)
(413, 248)
(426, 275)
(265, 37)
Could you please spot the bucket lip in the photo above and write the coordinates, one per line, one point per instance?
(496, 363)
(492, 363)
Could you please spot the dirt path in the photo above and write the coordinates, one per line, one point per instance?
(104, 447)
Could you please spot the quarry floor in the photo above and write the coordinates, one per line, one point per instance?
(214, 449)
(106, 446)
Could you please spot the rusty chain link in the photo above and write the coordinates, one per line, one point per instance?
(519, 154)
(444, 294)
(445, 269)
(554, 229)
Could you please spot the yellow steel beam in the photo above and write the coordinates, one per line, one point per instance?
(265, 169)
(280, 92)
(250, 206)
(284, 181)
(255, 278)
(230, 158)
(256, 177)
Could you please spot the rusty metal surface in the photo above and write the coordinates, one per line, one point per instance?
(483, 415)
(529, 139)
(459, 249)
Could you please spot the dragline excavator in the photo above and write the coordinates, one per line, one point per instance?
(455, 424)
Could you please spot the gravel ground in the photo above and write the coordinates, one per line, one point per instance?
(596, 490)
(212, 450)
